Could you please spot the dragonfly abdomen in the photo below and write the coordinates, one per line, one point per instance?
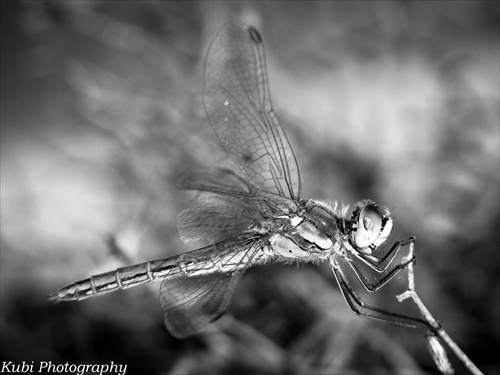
(199, 262)
(121, 278)
(225, 262)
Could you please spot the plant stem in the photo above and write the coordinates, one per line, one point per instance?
(441, 360)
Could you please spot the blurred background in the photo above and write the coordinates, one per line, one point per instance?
(101, 112)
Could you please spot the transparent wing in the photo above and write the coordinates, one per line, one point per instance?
(214, 218)
(216, 180)
(225, 206)
(238, 105)
(195, 299)
(192, 303)
(226, 182)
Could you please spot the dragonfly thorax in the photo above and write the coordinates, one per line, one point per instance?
(287, 247)
(310, 235)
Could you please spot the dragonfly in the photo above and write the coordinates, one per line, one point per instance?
(253, 213)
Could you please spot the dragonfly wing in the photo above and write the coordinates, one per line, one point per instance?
(192, 303)
(227, 182)
(224, 206)
(201, 292)
(214, 218)
(218, 180)
(238, 105)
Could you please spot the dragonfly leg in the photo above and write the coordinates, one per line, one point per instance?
(376, 285)
(361, 308)
(381, 263)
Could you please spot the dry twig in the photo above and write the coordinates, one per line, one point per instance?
(437, 351)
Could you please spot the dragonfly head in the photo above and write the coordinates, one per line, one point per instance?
(371, 225)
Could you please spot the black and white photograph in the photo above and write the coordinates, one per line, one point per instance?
(250, 187)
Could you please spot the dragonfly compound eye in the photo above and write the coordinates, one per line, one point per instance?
(372, 227)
